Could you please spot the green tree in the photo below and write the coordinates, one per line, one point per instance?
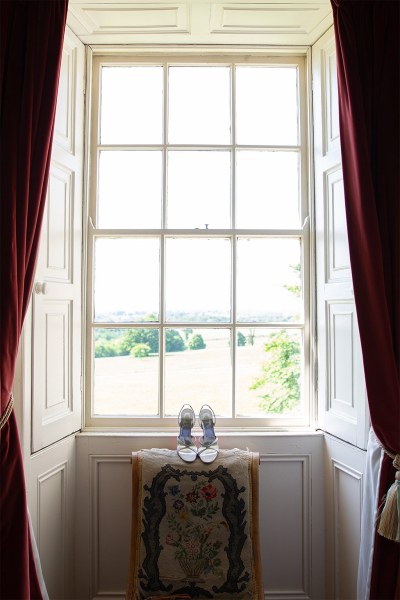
(107, 334)
(105, 348)
(250, 337)
(197, 342)
(132, 337)
(187, 331)
(241, 339)
(296, 287)
(279, 382)
(150, 317)
(140, 350)
(174, 341)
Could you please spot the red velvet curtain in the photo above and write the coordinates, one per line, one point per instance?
(367, 45)
(32, 36)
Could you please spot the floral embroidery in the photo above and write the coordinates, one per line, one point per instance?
(190, 530)
(205, 533)
(209, 491)
(178, 504)
(192, 497)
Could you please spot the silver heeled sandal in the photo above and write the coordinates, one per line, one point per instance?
(208, 449)
(185, 447)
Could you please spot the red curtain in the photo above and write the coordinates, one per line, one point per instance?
(367, 45)
(32, 36)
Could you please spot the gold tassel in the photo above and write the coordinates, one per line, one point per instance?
(389, 524)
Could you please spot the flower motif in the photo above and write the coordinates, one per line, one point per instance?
(191, 548)
(178, 505)
(192, 497)
(191, 530)
(170, 540)
(209, 492)
(183, 516)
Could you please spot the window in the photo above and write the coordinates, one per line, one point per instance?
(198, 260)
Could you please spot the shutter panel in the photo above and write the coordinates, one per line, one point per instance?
(342, 406)
(56, 327)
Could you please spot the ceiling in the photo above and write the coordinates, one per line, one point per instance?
(199, 22)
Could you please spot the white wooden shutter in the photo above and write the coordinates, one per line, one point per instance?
(56, 327)
(342, 406)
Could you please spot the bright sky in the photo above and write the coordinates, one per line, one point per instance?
(198, 272)
(198, 275)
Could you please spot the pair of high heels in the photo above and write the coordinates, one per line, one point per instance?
(187, 450)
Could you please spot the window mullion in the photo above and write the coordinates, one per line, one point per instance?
(162, 248)
(162, 318)
(234, 237)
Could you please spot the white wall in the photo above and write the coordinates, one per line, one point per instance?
(292, 528)
(344, 468)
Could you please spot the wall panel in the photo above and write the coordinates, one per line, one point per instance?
(111, 506)
(285, 512)
(291, 512)
(347, 493)
(50, 477)
(344, 472)
(52, 504)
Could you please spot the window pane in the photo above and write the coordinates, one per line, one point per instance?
(126, 284)
(198, 280)
(268, 280)
(130, 189)
(199, 371)
(269, 372)
(198, 189)
(267, 189)
(266, 105)
(131, 105)
(126, 368)
(199, 105)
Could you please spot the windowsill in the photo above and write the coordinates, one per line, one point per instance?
(222, 432)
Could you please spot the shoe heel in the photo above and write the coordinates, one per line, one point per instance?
(208, 450)
(185, 447)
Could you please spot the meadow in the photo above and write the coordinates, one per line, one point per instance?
(125, 385)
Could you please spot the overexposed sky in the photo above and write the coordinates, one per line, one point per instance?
(198, 188)
(198, 275)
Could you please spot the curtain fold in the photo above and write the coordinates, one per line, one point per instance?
(32, 36)
(367, 46)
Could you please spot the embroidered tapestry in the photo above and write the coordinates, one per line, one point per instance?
(195, 527)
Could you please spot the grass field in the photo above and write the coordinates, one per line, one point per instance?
(128, 386)
(125, 385)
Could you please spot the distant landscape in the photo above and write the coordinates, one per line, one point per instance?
(197, 366)
(121, 316)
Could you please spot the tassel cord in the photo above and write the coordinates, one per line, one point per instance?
(389, 520)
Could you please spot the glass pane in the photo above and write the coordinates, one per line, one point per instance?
(266, 105)
(267, 189)
(269, 372)
(130, 189)
(126, 367)
(198, 280)
(131, 105)
(126, 282)
(198, 370)
(268, 280)
(199, 189)
(199, 105)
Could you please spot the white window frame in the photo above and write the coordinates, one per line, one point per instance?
(117, 56)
